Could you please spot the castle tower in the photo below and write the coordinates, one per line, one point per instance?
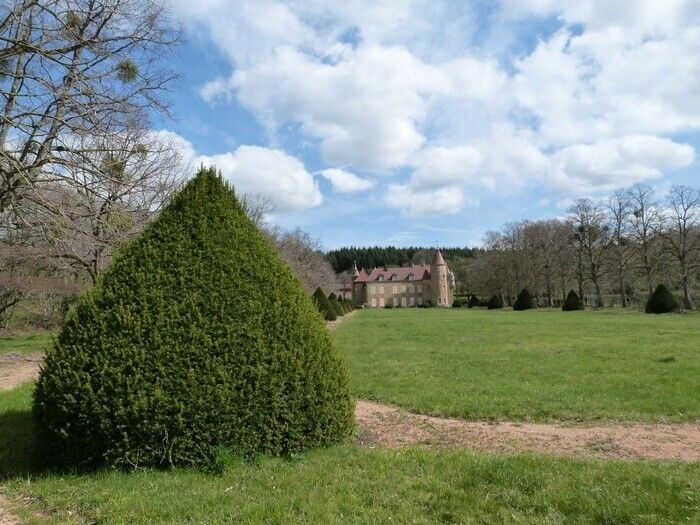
(440, 285)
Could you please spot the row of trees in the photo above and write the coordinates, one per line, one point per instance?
(343, 259)
(614, 251)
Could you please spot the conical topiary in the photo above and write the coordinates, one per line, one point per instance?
(524, 301)
(333, 299)
(198, 336)
(323, 305)
(572, 302)
(495, 302)
(661, 301)
(473, 301)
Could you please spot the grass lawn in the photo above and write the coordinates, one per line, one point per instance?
(349, 484)
(25, 344)
(535, 365)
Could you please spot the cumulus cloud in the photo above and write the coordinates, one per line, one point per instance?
(346, 182)
(399, 87)
(417, 202)
(270, 173)
(619, 162)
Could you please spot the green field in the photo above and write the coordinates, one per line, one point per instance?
(536, 365)
(349, 484)
(24, 344)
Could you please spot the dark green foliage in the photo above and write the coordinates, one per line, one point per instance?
(524, 301)
(197, 337)
(390, 306)
(323, 305)
(459, 302)
(473, 301)
(495, 302)
(344, 259)
(337, 308)
(572, 302)
(661, 301)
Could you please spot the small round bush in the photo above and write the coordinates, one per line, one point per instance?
(198, 337)
(524, 301)
(323, 305)
(661, 301)
(473, 301)
(495, 302)
(572, 302)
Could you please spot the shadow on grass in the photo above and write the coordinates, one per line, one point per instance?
(17, 445)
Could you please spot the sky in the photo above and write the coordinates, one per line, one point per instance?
(430, 122)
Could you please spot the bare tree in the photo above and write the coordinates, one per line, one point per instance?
(105, 192)
(645, 221)
(682, 236)
(589, 221)
(70, 70)
(621, 249)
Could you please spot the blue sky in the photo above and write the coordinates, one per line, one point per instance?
(428, 122)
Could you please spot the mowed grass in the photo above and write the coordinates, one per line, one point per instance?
(536, 365)
(24, 344)
(349, 484)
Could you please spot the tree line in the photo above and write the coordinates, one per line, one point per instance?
(612, 252)
(343, 259)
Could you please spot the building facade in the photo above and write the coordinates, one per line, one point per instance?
(404, 287)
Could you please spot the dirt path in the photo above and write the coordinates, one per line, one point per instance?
(388, 426)
(16, 369)
(5, 517)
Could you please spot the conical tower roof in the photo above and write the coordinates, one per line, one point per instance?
(438, 260)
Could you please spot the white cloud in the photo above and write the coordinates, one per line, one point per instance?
(416, 202)
(619, 162)
(270, 173)
(364, 109)
(587, 108)
(346, 182)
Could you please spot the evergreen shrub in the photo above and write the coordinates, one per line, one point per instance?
(572, 302)
(197, 338)
(323, 305)
(524, 301)
(495, 302)
(661, 301)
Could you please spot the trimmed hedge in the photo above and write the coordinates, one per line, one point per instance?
(572, 302)
(661, 301)
(335, 304)
(495, 302)
(197, 337)
(323, 305)
(524, 301)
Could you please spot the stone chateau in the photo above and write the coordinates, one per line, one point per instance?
(404, 287)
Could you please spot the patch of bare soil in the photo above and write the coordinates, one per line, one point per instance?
(5, 517)
(16, 369)
(388, 426)
(332, 325)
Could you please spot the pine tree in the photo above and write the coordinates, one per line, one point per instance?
(661, 301)
(197, 337)
(572, 302)
(323, 305)
(524, 301)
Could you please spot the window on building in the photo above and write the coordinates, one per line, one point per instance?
(380, 278)
(410, 277)
(396, 301)
(394, 277)
(374, 302)
(395, 289)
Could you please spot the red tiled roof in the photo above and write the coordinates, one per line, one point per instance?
(419, 272)
(361, 277)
